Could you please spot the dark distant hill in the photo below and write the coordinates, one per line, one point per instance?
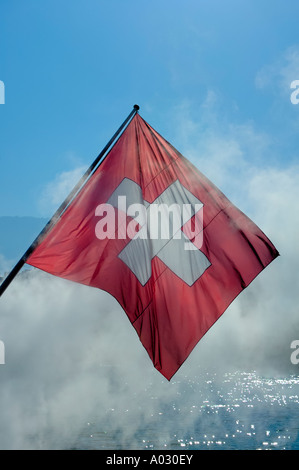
(17, 234)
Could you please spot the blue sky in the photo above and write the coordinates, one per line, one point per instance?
(202, 72)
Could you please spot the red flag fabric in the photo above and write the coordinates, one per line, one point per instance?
(172, 284)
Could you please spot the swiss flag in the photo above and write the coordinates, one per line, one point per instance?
(172, 287)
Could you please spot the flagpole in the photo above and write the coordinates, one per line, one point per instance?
(97, 162)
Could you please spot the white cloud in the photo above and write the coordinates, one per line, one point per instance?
(5, 264)
(279, 75)
(57, 190)
(226, 152)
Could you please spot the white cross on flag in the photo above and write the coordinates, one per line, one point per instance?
(155, 233)
(161, 237)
